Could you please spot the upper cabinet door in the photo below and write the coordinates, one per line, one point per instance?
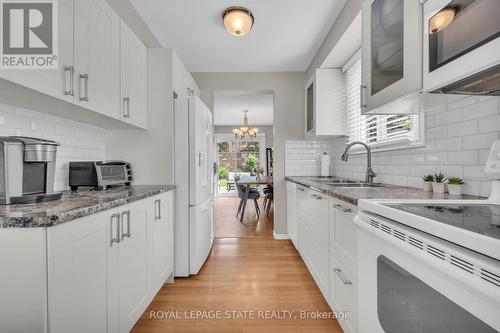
(97, 43)
(54, 82)
(391, 51)
(133, 58)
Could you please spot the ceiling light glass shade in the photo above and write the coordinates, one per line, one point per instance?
(238, 21)
(441, 20)
(241, 132)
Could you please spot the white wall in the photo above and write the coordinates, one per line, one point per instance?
(288, 116)
(458, 140)
(303, 158)
(79, 142)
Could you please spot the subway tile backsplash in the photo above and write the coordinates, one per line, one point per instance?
(302, 158)
(78, 141)
(458, 141)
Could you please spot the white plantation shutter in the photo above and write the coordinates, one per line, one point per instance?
(375, 129)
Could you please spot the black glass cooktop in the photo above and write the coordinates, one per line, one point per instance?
(481, 219)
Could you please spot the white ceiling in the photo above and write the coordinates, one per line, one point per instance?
(285, 37)
(228, 107)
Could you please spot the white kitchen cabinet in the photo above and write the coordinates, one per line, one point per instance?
(313, 236)
(325, 96)
(133, 263)
(97, 52)
(291, 211)
(78, 254)
(104, 269)
(54, 82)
(345, 298)
(162, 240)
(183, 83)
(392, 54)
(133, 80)
(23, 280)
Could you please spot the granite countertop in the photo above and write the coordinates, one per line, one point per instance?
(352, 195)
(74, 205)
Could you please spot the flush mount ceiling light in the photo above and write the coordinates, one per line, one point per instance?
(442, 19)
(237, 20)
(244, 130)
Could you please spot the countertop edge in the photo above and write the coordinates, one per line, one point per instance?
(26, 222)
(333, 194)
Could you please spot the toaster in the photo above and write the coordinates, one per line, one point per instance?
(99, 174)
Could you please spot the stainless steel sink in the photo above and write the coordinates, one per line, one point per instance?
(341, 181)
(357, 185)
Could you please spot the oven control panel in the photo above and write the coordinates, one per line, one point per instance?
(492, 170)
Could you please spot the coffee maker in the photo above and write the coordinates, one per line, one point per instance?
(27, 170)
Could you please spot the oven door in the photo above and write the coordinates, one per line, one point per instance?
(468, 45)
(407, 283)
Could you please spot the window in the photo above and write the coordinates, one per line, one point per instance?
(382, 132)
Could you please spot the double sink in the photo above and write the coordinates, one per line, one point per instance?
(343, 183)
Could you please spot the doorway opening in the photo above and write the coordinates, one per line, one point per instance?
(244, 201)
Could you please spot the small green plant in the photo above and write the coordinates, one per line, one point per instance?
(223, 172)
(455, 181)
(440, 177)
(428, 178)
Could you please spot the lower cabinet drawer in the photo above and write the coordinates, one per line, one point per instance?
(345, 295)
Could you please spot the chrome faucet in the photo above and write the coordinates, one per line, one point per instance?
(370, 174)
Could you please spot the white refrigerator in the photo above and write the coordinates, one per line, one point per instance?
(194, 172)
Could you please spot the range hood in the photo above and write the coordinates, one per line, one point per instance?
(485, 83)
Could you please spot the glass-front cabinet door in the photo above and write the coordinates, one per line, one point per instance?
(391, 51)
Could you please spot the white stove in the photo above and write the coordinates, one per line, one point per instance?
(431, 265)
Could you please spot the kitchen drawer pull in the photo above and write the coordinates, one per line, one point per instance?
(362, 99)
(126, 234)
(85, 96)
(158, 210)
(341, 276)
(300, 189)
(71, 90)
(126, 107)
(117, 238)
(317, 197)
(342, 209)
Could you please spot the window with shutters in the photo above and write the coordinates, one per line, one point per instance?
(381, 132)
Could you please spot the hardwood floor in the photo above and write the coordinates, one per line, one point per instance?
(228, 225)
(255, 274)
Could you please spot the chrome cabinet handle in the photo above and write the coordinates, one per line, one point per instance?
(117, 238)
(362, 96)
(317, 197)
(158, 210)
(85, 96)
(127, 214)
(300, 189)
(341, 276)
(342, 209)
(71, 90)
(126, 107)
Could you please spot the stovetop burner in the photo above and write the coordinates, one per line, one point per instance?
(478, 218)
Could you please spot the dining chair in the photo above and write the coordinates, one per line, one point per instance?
(252, 195)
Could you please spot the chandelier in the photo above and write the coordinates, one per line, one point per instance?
(244, 130)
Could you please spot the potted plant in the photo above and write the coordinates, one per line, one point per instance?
(455, 185)
(439, 182)
(428, 179)
(259, 171)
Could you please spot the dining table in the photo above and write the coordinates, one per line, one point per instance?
(248, 181)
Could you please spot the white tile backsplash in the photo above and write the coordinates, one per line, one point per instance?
(458, 139)
(78, 141)
(302, 158)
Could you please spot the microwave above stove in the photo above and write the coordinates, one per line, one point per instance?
(99, 174)
(462, 47)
